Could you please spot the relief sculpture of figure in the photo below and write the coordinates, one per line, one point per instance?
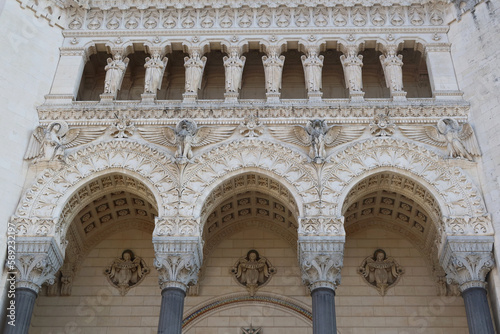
(253, 271)
(115, 71)
(380, 271)
(126, 272)
(352, 65)
(155, 67)
(273, 69)
(194, 71)
(459, 140)
(50, 143)
(392, 65)
(313, 66)
(234, 71)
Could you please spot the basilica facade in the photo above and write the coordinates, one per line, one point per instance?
(214, 166)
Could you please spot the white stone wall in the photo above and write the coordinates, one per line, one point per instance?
(475, 50)
(30, 52)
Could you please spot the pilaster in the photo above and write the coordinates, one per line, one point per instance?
(442, 72)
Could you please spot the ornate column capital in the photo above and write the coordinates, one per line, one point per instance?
(178, 260)
(321, 259)
(37, 260)
(467, 260)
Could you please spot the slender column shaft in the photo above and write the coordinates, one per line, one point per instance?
(24, 304)
(323, 309)
(478, 311)
(172, 306)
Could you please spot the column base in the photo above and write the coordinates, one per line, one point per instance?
(148, 98)
(357, 96)
(189, 97)
(273, 97)
(315, 97)
(231, 97)
(107, 98)
(58, 99)
(399, 96)
(448, 95)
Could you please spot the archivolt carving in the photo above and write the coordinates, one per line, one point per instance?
(270, 158)
(51, 190)
(455, 192)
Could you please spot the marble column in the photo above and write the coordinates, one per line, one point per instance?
(23, 310)
(178, 260)
(467, 260)
(172, 305)
(323, 309)
(321, 254)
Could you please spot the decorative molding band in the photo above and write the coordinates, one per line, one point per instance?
(260, 298)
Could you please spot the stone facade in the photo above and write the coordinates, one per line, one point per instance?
(190, 134)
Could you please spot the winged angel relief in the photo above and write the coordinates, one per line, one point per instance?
(317, 135)
(459, 140)
(50, 143)
(185, 136)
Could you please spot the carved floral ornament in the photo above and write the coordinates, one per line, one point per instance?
(380, 271)
(126, 272)
(253, 271)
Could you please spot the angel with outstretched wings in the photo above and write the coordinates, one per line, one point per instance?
(459, 140)
(185, 136)
(318, 135)
(50, 143)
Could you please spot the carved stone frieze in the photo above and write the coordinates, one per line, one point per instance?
(178, 260)
(467, 260)
(177, 227)
(321, 259)
(479, 225)
(321, 226)
(37, 261)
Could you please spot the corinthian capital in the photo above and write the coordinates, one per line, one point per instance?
(321, 259)
(467, 260)
(178, 260)
(37, 260)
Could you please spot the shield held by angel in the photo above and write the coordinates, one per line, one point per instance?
(48, 144)
(185, 136)
(317, 135)
(459, 140)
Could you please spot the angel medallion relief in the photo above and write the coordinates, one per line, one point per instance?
(185, 136)
(126, 272)
(253, 271)
(318, 136)
(380, 271)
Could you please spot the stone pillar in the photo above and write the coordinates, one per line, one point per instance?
(273, 70)
(37, 260)
(441, 72)
(313, 67)
(68, 76)
(194, 65)
(233, 69)
(321, 255)
(392, 64)
(155, 68)
(467, 260)
(178, 256)
(352, 63)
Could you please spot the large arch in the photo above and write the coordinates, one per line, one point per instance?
(280, 163)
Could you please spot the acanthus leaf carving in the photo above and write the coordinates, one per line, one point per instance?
(321, 226)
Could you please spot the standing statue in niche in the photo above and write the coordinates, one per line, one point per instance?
(392, 65)
(234, 71)
(352, 65)
(48, 144)
(313, 66)
(126, 272)
(380, 271)
(115, 71)
(194, 71)
(273, 69)
(155, 67)
(253, 271)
